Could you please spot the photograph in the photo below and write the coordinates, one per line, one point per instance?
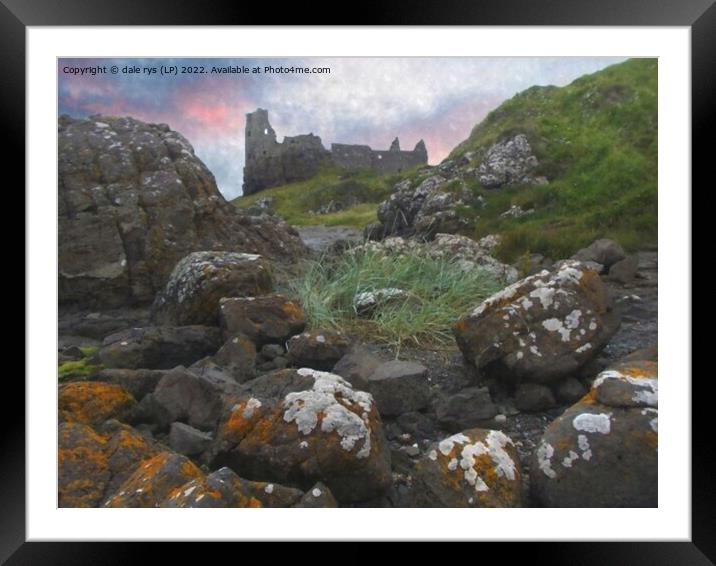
(357, 282)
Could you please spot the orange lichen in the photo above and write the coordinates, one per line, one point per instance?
(92, 402)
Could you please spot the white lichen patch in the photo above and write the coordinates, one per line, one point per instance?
(251, 405)
(571, 457)
(269, 489)
(589, 422)
(316, 492)
(433, 455)
(326, 399)
(646, 389)
(583, 348)
(545, 296)
(544, 459)
(493, 445)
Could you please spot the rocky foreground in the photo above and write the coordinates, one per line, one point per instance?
(223, 397)
(193, 383)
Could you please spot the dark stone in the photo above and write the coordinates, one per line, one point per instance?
(399, 387)
(533, 397)
(187, 440)
(159, 347)
(468, 408)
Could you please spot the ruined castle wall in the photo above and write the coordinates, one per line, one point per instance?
(396, 161)
(270, 163)
(352, 156)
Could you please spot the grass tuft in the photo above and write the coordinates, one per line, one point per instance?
(438, 293)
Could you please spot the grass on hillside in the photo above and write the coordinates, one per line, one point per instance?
(596, 140)
(438, 294)
(294, 201)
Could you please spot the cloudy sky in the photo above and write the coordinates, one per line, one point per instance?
(363, 100)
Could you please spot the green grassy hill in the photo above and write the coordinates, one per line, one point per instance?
(294, 200)
(596, 140)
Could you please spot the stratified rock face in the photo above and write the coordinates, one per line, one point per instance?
(603, 451)
(474, 468)
(133, 200)
(199, 282)
(298, 427)
(541, 328)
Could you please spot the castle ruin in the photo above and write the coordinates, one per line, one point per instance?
(270, 163)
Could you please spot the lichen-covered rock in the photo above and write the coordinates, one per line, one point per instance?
(508, 162)
(366, 303)
(541, 328)
(425, 210)
(133, 200)
(83, 471)
(399, 387)
(602, 452)
(154, 481)
(222, 488)
(297, 427)
(92, 462)
(159, 347)
(466, 253)
(318, 349)
(270, 319)
(200, 280)
(474, 468)
(93, 402)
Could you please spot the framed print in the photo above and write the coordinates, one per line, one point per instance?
(404, 275)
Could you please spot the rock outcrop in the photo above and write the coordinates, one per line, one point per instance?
(133, 200)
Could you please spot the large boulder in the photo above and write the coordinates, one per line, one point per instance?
(474, 468)
(199, 282)
(603, 451)
(133, 200)
(541, 328)
(159, 347)
(297, 427)
(270, 319)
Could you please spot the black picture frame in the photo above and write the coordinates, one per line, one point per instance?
(699, 15)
